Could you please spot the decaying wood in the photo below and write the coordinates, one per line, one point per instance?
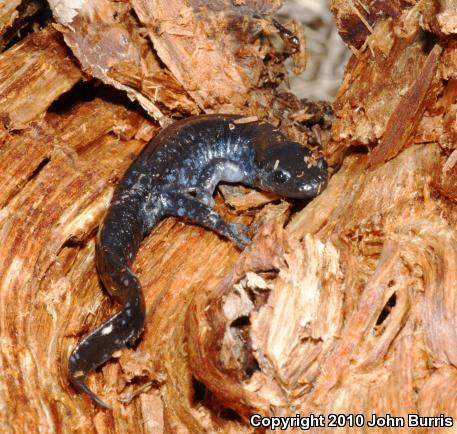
(214, 52)
(8, 13)
(45, 63)
(17, 15)
(345, 305)
(98, 33)
(356, 19)
(407, 114)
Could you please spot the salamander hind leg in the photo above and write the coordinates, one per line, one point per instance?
(238, 234)
(184, 205)
(121, 330)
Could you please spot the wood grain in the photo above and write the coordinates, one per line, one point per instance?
(344, 304)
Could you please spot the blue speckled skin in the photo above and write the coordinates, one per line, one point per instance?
(176, 174)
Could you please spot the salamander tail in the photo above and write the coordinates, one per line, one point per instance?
(120, 331)
(80, 384)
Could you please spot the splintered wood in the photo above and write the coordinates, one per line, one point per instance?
(347, 305)
(49, 69)
(15, 16)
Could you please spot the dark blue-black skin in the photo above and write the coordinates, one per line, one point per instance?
(176, 175)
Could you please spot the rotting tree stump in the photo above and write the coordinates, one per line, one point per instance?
(345, 305)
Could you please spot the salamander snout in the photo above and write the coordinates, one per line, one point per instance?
(291, 170)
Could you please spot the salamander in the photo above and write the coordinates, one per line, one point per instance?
(176, 175)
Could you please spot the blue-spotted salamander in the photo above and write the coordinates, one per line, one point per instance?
(176, 175)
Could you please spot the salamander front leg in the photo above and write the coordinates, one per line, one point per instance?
(219, 169)
(184, 205)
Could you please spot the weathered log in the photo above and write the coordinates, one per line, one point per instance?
(345, 305)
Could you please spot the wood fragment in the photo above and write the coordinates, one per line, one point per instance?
(197, 45)
(376, 83)
(406, 116)
(50, 71)
(355, 20)
(16, 16)
(8, 14)
(98, 34)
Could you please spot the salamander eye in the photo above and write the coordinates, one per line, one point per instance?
(280, 177)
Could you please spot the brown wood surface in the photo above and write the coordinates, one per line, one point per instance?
(345, 305)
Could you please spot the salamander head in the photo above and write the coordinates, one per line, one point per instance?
(290, 170)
